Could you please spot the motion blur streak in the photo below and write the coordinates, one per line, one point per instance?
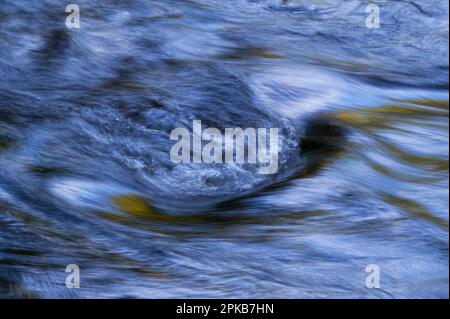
(86, 176)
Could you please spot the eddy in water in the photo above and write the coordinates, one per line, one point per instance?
(224, 149)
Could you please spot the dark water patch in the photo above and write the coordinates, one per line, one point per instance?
(249, 53)
(416, 210)
(57, 42)
(6, 142)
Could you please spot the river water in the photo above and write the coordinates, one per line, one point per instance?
(86, 177)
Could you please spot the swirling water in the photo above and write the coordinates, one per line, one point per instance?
(86, 178)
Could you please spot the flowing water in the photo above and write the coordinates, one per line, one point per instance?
(86, 177)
